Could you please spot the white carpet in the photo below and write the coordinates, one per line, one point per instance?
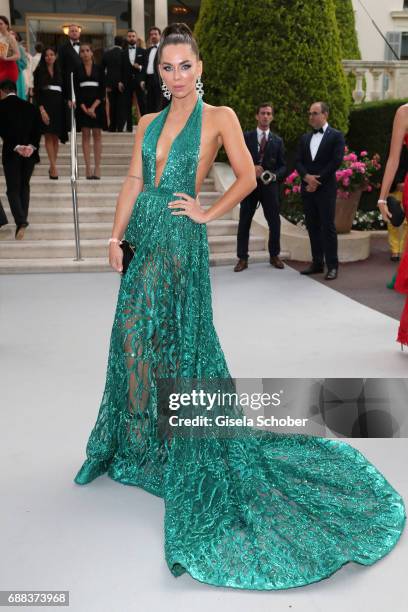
(104, 541)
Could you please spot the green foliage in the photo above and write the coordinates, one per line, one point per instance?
(347, 29)
(370, 129)
(371, 126)
(348, 35)
(285, 51)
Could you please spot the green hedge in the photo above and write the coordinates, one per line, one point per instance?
(347, 29)
(286, 51)
(370, 129)
(370, 126)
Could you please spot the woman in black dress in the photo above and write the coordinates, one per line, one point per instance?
(90, 108)
(49, 95)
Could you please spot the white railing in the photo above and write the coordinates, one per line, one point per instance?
(74, 172)
(383, 80)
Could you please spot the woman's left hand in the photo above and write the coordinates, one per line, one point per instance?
(190, 207)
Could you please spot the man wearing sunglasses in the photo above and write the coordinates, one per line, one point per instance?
(320, 154)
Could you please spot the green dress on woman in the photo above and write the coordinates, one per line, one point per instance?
(258, 510)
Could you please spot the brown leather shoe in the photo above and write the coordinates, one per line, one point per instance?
(276, 262)
(241, 265)
(20, 230)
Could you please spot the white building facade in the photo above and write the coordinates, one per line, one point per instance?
(391, 17)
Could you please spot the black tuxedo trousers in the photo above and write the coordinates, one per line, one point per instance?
(268, 196)
(17, 172)
(320, 210)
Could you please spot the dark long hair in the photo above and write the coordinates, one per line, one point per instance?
(41, 73)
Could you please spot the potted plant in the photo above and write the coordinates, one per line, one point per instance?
(353, 177)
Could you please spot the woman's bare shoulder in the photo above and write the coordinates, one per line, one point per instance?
(145, 120)
(402, 111)
(221, 114)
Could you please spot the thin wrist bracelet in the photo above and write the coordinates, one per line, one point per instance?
(114, 240)
(381, 201)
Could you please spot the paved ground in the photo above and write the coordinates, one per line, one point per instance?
(366, 281)
(104, 542)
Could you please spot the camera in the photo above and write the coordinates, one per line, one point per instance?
(268, 177)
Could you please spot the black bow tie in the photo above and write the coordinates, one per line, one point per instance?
(321, 130)
(76, 44)
(132, 47)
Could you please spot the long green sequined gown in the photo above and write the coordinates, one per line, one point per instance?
(260, 511)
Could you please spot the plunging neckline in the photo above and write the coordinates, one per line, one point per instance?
(172, 144)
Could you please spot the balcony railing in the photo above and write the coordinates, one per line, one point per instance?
(378, 80)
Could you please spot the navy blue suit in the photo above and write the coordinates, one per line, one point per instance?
(267, 195)
(320, 206)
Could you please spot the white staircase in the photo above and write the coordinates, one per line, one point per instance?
(49, 243)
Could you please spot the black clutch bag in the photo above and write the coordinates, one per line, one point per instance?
(396, 210)
(128, 253)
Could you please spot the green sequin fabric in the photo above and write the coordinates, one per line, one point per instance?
(260, 511)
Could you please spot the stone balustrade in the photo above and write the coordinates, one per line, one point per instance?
(380, 80)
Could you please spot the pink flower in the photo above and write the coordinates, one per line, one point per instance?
(346, 182)
(369, 188)
(296, 189)
(287, 192)
(363, 153)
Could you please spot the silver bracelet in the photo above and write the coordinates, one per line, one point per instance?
(381, 201)
(114, 240)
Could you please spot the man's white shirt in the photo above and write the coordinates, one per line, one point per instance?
(315, 141)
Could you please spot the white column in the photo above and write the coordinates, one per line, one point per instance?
(160, 14)
(138, 23)
(5, 8)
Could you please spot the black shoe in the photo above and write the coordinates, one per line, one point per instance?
(395, 257)
(331, 274)
(313, 269)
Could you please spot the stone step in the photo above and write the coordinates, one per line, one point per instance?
(28, 249)
(64, 171)
(108, 148)
(117, 159)
(101, 264)
(95, 228)
(64, 199)
(42, 182)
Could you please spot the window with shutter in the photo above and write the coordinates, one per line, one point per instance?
(394, 39)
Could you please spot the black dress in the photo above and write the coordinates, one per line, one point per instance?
(49, 92)
(89, 88)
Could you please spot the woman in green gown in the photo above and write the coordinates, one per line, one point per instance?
(255, 510)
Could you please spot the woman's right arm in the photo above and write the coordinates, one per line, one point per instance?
(131, 187)
(399, 130)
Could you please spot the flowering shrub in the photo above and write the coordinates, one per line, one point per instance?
(364, 220)
(356, 172)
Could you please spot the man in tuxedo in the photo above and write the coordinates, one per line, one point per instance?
(68, 56)
(133, 76)
(111, 61)
(268, 154)
(20, 130)
(320, 154)
(154, 101)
